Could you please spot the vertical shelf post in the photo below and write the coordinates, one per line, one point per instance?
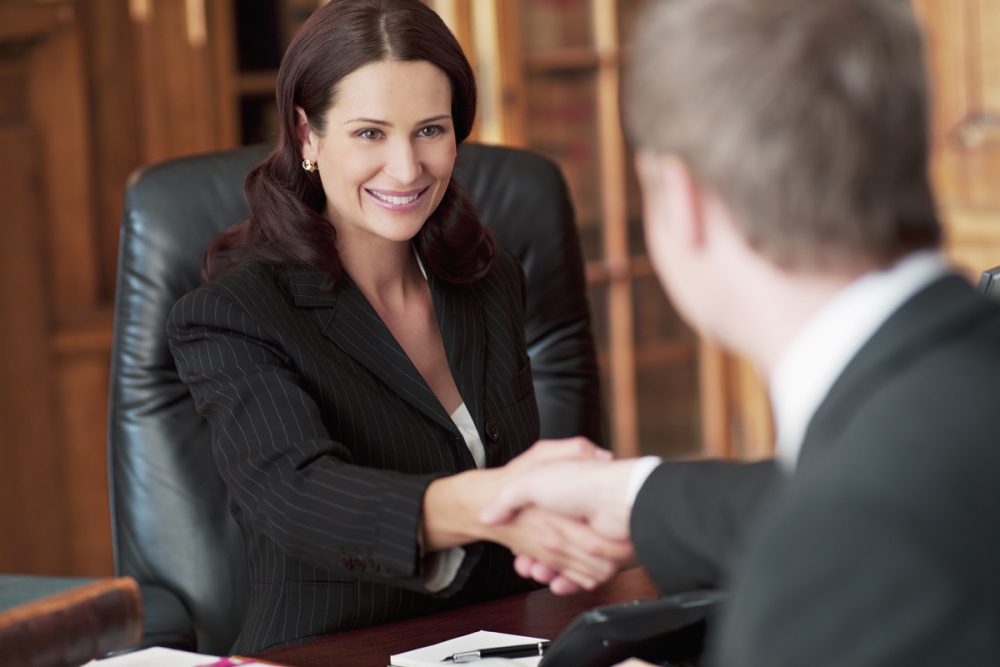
(621, 355)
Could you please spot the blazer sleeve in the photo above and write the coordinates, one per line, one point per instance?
(283, 471)
(689, 519)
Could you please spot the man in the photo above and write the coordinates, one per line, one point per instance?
(782, 150)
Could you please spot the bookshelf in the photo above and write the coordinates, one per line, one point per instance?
(249, 38)
(559, 74)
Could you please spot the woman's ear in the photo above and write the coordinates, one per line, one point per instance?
(304, 133)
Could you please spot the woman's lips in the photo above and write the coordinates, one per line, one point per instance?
(395, 200)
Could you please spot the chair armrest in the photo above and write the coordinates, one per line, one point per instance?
(74, 626)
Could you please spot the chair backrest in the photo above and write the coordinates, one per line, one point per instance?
(74, 626)
(171, 525)
(989, 284)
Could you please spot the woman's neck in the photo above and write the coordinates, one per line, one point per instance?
(387, 273)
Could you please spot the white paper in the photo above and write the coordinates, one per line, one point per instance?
(156, 657)
(434, 654)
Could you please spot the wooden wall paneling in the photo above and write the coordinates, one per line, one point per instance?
(974, 239)
(222, 45)
(57, 99)
(989, 54)
(32, 501)
(114, 125)
(31, 496)
(964, 62)
(176, 78)
(978, 135)
(82, 408)
(945, 37)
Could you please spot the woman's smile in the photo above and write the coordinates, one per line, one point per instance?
(395, 200)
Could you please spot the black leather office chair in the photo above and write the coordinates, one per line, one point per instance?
(171, 525)
(989, 284)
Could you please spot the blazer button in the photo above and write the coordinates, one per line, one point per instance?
(492, 432)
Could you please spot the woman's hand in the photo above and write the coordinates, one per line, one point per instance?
(452, 506)
(564, 551)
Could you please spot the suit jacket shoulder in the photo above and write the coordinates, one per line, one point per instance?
(883, 549)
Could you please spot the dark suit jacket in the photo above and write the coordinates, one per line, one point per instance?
(884, 548)
(327, 437)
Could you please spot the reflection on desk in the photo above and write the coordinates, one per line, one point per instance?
(539, 614)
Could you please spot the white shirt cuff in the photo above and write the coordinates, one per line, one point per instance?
(441, 567)
(641, 471)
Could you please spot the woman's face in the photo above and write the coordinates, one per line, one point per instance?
(387, 154)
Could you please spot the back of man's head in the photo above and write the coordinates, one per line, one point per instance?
(808, 117)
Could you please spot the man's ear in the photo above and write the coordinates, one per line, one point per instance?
(307, 143)
(688, 198)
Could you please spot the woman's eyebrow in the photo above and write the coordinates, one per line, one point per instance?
(385, 123)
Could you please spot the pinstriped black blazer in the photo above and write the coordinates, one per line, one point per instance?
(327, 437)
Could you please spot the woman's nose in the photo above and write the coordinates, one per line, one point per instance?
(403, 163)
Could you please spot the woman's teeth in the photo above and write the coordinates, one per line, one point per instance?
(390, 199)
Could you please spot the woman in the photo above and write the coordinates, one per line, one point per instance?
(359, 347)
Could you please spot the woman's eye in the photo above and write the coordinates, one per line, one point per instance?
(370, 133)
(431, 131)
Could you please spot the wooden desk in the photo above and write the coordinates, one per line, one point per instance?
(538, 613)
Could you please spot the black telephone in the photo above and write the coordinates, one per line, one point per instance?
(668, 631)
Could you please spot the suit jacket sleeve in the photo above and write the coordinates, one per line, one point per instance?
(689, 519)
(283, 471)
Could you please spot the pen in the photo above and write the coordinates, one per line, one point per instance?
(519, 651)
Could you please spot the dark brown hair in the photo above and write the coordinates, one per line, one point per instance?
(808, 117)
(286, 223)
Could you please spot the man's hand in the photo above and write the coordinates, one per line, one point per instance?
(582, 487)
(594, 491)
(562, 552)
(557, 544)
(452, 506)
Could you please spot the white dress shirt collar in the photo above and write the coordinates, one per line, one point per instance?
(826, 344)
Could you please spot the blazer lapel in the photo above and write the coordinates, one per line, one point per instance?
(942, 309)
(354, 326)
(460, 318)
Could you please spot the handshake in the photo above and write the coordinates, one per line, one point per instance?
(563, 508)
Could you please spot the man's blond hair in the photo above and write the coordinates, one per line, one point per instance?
(808, 117)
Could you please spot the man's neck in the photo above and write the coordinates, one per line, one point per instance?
(774, 304)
